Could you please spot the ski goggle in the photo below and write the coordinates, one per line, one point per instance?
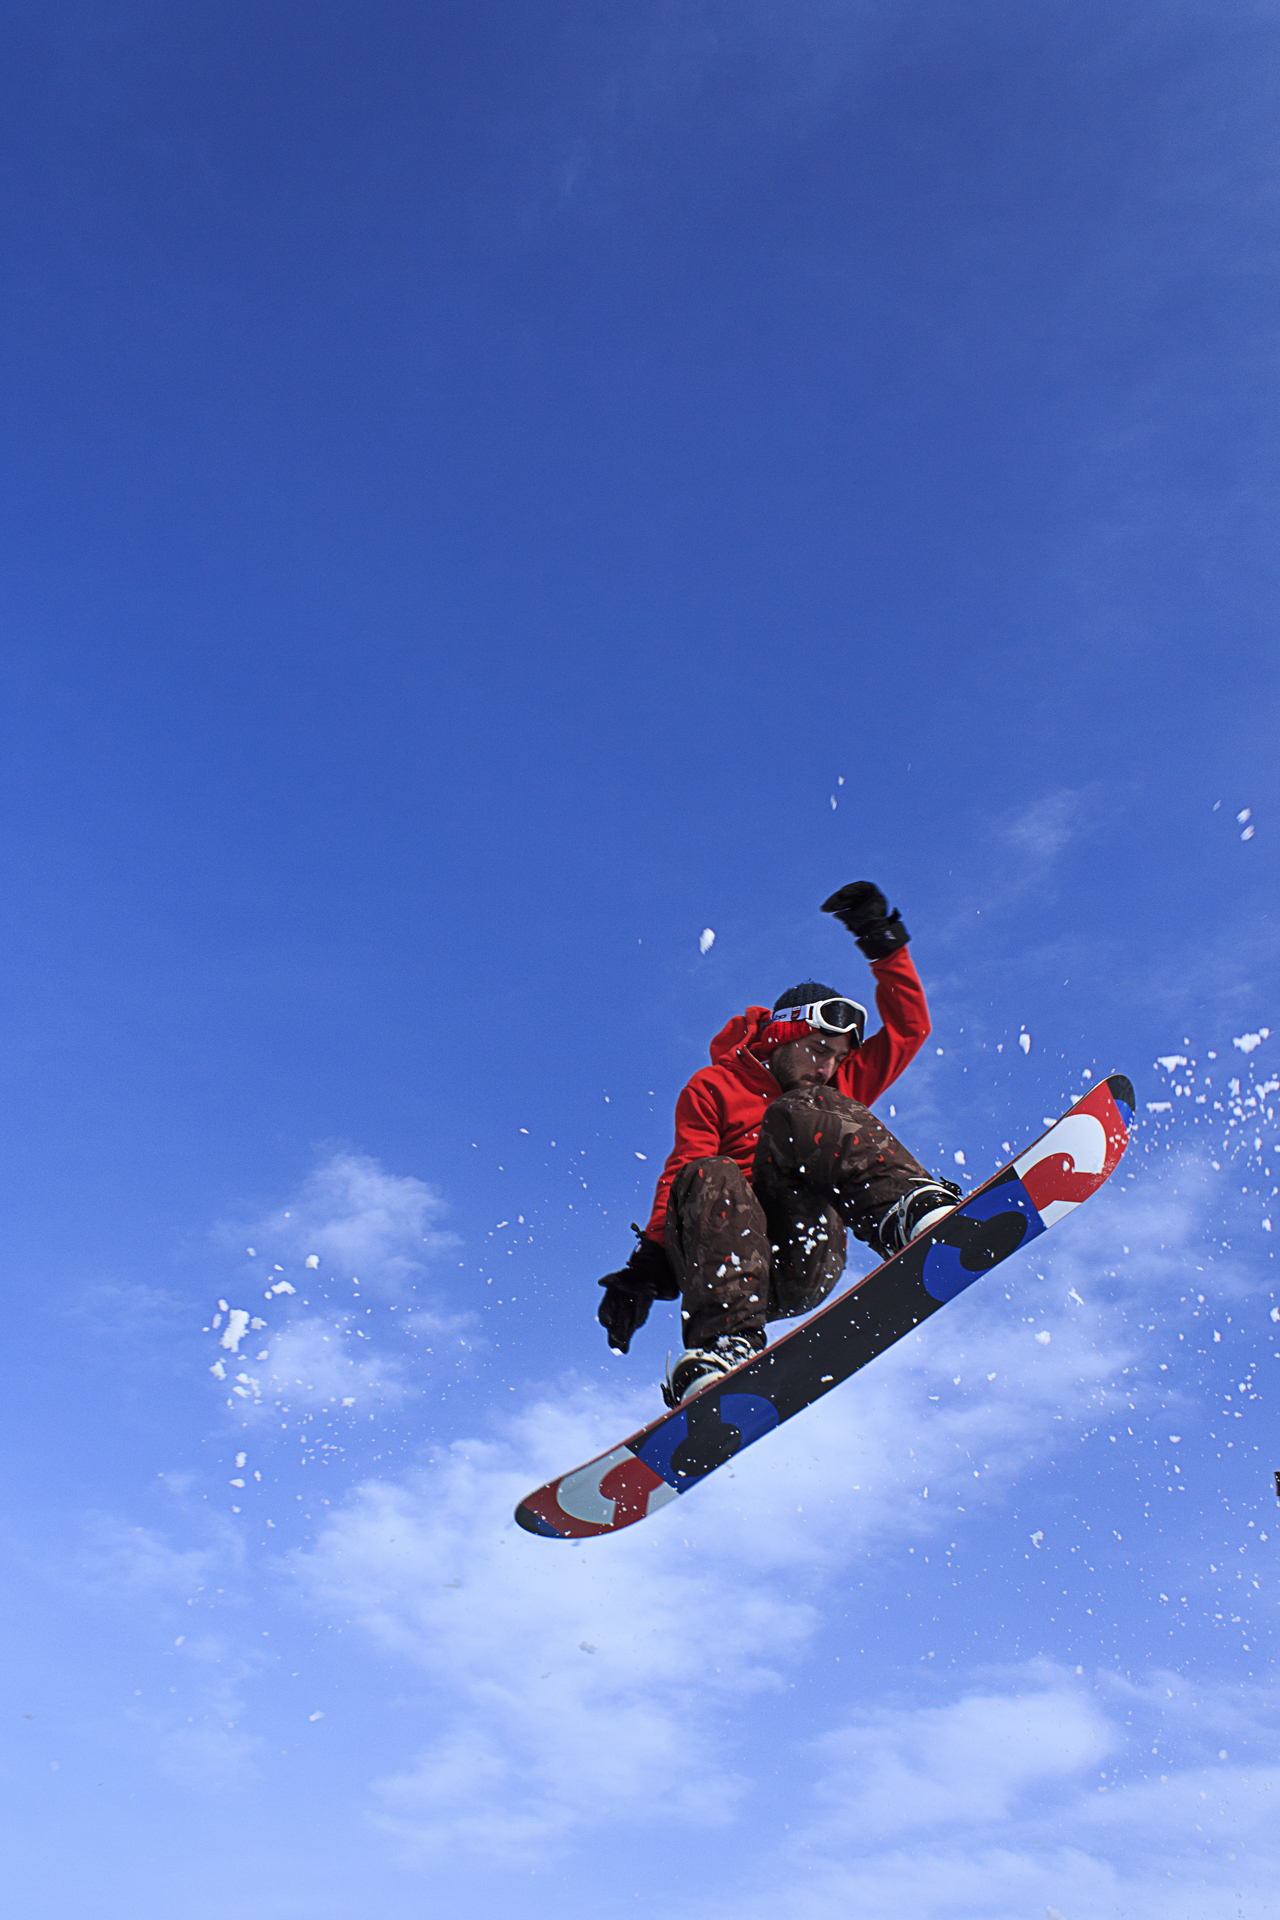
(827, 1016)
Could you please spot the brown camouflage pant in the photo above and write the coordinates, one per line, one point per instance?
(769, 1249)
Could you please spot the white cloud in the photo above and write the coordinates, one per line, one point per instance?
(317, 1359)
(359, 1220)
(1034, 1791)
(132, 1563)
(697, 1609)
(1045, 828)
(891, 1773)
(371, 1226)
(538, 1737)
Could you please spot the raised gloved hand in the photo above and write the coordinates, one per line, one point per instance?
(630, 1293)
(864, 910)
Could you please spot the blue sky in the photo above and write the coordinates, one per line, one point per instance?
(490, 493)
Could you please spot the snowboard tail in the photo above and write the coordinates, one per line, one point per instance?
(1049, 1180)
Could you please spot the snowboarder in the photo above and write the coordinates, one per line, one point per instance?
(776, 1155)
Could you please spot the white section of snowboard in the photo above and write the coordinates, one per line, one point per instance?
(1079, 1138)
(579, 1493)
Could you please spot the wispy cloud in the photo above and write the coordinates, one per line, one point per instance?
(571, 1682)
(1042, 830)
(358, 1219)
(1037, 1790)
(568, 1684)
(298, 1324)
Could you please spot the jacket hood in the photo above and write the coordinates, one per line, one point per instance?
(740, 1031)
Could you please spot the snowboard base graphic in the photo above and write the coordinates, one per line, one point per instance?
(1027, 1197)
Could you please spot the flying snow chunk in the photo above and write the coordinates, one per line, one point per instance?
(1024, 1041)
(315, 1716)
(349, 1401)
(1159, 1106)
(1246, 813)
(236, 1328)
(312, 1260)
(642, 1156)
(706, 940)
(282, 1286)
(1171, 1060)
(959, 1156)
(1043, 1338)
(218, 1371)
(1248, 1041)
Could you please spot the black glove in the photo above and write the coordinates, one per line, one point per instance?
(629, 1294)
(864, 910)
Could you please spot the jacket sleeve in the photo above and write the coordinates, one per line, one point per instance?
(699, 1136)
(904, 1010)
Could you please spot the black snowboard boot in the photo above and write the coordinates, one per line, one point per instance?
(920, 1208)
(698, 1366)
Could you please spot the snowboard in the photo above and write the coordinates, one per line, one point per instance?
(673, 1453)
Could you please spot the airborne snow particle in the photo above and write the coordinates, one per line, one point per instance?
(959, 1157)
(282, 1286)
(1248, 1041)
(1043, 1338)
(1246, 813)
(236, 1328)
(1024, 1041)
(312, 1260)
(315, 1716)
(642, 1156)
(706, 940)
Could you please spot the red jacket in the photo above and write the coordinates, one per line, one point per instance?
(721, 1110)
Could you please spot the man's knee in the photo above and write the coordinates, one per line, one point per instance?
(712, 1210)
(701, 1179)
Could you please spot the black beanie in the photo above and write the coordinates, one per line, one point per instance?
(805, 994)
